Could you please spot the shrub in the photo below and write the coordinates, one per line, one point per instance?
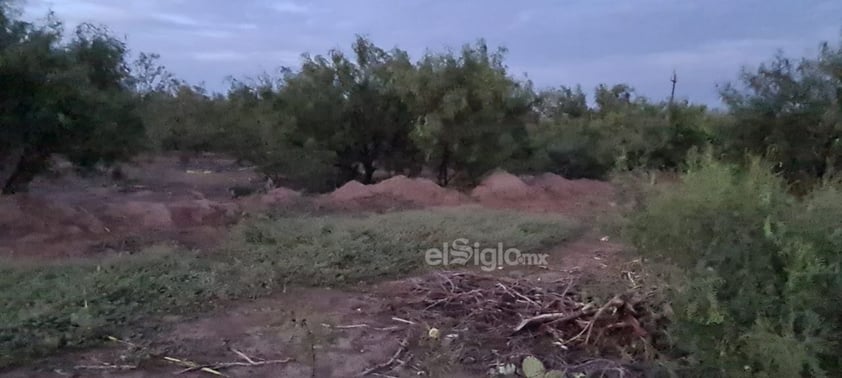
(759, 292)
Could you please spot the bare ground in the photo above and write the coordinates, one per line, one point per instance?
(302, 332)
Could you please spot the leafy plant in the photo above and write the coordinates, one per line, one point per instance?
(534, 368)
(758, 292)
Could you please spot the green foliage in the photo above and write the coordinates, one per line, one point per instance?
(61, 95)
(759, 295)
(56, 306)
(534, 368)
(624, 133)
(789, 111)
(472, 114)
(351, 108)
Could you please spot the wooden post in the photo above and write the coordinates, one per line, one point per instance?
(673, 79)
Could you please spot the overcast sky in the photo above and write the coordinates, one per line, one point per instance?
(570, 42)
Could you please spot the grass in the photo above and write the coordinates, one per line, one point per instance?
(48, 308)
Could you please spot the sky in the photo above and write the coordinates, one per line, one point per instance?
(563, 42)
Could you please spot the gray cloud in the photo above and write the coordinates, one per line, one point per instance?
(572, 42)
(289, 7)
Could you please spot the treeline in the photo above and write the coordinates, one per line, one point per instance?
(452, 115)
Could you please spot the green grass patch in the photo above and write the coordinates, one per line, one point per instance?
(47, 308)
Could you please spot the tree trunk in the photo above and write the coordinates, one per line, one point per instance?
(443, 165)
(9, 165)
(346, 173)
(369, 169)
(28, 165)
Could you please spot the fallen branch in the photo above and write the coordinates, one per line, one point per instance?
(225, 365)
(397, 319)
(493, 313)
(215, 367)
(554, 318)
(519, 295)
(352, 326)
(105, 367)
(386, 364)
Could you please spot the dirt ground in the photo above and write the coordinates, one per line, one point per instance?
(160, 199)
(303, 332)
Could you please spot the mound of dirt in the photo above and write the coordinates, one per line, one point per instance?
(352, 190)
(279, 195)
(502, 185)
(418, 191)
(398, 190)
(22, 215)
(560, 186)
(143, 214)
(202, 213)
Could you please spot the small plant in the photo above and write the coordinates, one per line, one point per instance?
(534, 368)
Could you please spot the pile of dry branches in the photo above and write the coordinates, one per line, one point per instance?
(497, 320)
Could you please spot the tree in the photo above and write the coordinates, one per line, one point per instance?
(149, 76)
(789, 111)
(351, 107)
(71, 98)
(471, 113)
(562, 102)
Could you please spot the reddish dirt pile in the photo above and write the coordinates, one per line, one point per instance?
(398, 190)
(351, 191)
(503, 186)
(546, 193)
(560, 186)
(420, 191)
(280, 195)
(37, 226)
(32, 217)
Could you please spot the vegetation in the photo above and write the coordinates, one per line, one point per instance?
(45, 308)
(61, 96)
(754, 231)
(337, 117)
(760, 271)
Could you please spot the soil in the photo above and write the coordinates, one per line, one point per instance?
(160, 199)
(349, 331)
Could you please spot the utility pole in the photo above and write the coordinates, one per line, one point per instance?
(673, 79)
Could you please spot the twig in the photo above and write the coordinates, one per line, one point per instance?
(214, 368)
(352, 326)
(397, 319)
(225, 365)
(243, 356)
(348, 326)
(384, 375)
(515, 293)
(556, 317)
(105, 367)
(193, 366)
(616, 301)
(386, 364)
(112, 338)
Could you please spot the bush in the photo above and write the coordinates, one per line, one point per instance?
(760, 288)
(625, 136)
(61, 94)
